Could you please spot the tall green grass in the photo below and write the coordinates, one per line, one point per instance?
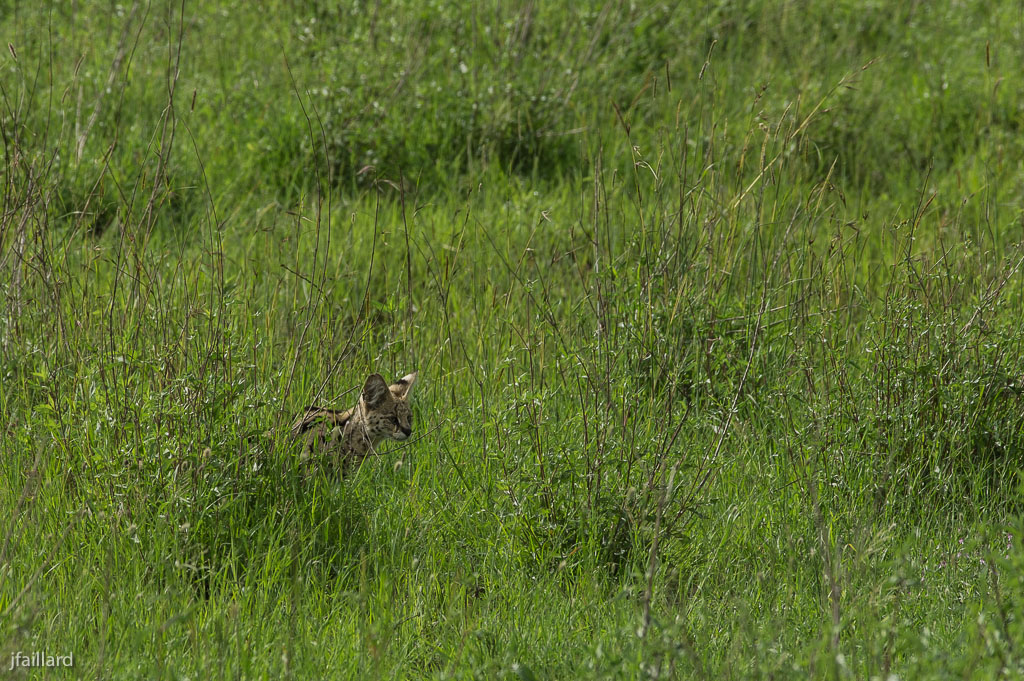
(716, 312)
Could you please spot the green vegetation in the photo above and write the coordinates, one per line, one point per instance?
(716, 308)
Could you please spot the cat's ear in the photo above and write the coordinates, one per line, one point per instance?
(403, 386)
(375, 391)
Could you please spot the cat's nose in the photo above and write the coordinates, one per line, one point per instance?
(406, 432)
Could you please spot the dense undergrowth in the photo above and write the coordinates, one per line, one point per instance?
(715, 308)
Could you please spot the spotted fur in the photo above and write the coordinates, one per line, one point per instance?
(344, 438)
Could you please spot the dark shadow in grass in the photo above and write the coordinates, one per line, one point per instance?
(86, 209)
(272, 525)
(330, 526)
(422, 141)
(95, 207)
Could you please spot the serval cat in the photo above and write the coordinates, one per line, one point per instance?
(345, 438)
